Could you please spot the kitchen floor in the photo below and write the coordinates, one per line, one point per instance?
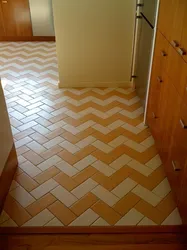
(85, 157)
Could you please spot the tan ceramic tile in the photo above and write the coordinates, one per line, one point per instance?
(106, 212)
(16, 211)
(84, 203)
(39, 205)
(39, 138)
(33, 157)
(84, 174)
(150, 212)
(46, 175)
(65, 181)
(51, 152)
(124, 205)
(69, 137)
(26, 182)
(63, 213)
(68, 157)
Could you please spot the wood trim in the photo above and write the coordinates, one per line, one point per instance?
(93, 230)
(27, 38)
(143, 241)
(7, 175)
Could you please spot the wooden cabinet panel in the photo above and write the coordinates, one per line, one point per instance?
(166, 17)
(169, 108)
(157, 84)
(2, 29)
(178, 153)
(16, 16)
(183, 44)
(177, 25)
(175, 69)
(184, 82)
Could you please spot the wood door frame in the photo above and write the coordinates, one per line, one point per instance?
(92, 230)
(27, 39)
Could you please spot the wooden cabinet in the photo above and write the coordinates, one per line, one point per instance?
(158, 83)
(183, 43)
(166, 17)
(167, 103)
(2, 29)
(175, 69)
(15, 15)
(178, 152)
(177, 25)
(170, 107)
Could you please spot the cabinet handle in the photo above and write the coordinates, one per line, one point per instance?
(175, 43)
(163, 53)
(176, 166)
(159, 79)
(154, 116)
(181, 51)
(4, 2)
(182, 124)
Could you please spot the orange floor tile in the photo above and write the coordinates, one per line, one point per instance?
(85, 157)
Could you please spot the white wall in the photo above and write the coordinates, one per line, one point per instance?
(42, 17)
(94, 41)
(6, 140)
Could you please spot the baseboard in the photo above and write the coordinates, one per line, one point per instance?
(27, 39)
(7, 175)
(74, 84)
(92, 230)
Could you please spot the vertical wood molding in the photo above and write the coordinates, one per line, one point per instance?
(7, 175)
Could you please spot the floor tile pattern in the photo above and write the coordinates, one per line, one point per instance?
(85, 156)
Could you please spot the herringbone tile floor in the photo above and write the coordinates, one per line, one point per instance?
(85, 157)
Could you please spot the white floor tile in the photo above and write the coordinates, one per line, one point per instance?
(44, 188)
(100, 223)
(64, 196)
(86, 142)
(69, 147)
(146, 222)
(22, 196)
(124, 187)
(30, 169)
(49, 162)
(136, 146)
(162, 189)
(154, 163)
(131, 218)
(106, 196)
(146, 195)
(84, 188)
(66, 168)
(143, 169)
(173, 219)
(85, 219)
(57, 140)
(103, 168)
(40, 219)
(102, 146)
(120, 162)
(84, 163)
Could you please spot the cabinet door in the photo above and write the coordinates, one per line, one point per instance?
(16, 16)
(2, 28)
(157, 84)
(183, 44)
(175, 69)
(177, 25)
(169, 108)
(165, 20)
(178, 153)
